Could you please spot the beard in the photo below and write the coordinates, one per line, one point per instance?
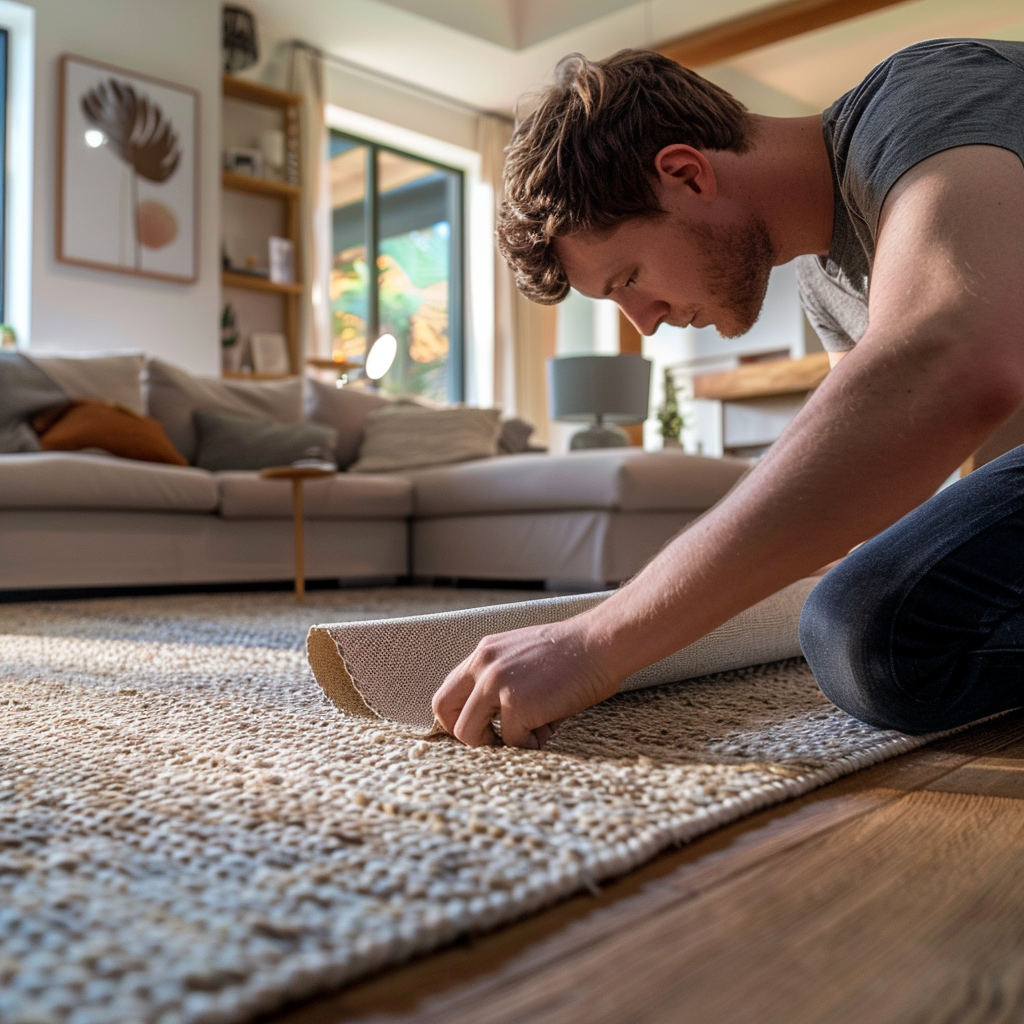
(736, 263)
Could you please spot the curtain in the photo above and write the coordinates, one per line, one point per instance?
(524, 332)
(306, 79)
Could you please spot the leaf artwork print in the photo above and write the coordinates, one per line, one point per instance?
(139, 133)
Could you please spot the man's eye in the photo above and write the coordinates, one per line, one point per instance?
(631, 280)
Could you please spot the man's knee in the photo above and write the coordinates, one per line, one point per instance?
(846, 639)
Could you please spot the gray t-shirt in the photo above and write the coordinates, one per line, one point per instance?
(930, 97)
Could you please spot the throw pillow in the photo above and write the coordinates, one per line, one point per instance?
(175, 394)
(112, 378)
(344, 409)
(24, 391)
(515, 436)
(113, 429)
(409, 437)
(230, 441)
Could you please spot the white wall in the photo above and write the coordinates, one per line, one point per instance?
(75, 309)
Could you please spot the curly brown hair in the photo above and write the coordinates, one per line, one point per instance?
(583, 158)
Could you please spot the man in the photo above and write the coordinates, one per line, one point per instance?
(635, 179)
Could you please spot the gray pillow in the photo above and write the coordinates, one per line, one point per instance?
(344, 409)
(515, 436)
(102, 377)
(24, 391)
(174, 394)
(227, 440)
(408, 436)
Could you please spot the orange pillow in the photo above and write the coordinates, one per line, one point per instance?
(113, 428)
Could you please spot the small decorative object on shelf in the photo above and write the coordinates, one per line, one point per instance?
(230, 346)
(238, 39)
(244, 161)
(669, 417)
(7, 337)
(291, 131)
(282, 260)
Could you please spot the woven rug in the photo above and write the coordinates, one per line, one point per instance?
(191, 832)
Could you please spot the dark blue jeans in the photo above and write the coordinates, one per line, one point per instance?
(922, 627)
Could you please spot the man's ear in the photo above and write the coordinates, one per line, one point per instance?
(683, 167)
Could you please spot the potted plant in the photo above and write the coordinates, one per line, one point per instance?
(669, 416)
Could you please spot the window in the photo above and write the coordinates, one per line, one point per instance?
(403, 216)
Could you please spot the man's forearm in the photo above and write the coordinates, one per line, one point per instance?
(875, 441)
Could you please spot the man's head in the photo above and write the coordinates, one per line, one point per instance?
(609, 188)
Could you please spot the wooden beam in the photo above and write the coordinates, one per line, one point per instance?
(765, 26)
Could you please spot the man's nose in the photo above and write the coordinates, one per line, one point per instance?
(644, 314)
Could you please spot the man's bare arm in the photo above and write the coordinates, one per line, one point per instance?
(941, 365)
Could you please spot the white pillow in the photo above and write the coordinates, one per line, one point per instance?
(104, 377)
(409, 437)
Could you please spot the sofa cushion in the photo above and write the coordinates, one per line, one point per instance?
(249, 496)
(174, 394)
(230, 441)
(404, 436)
(101, 377)
(77, 480)
(624, 479)
(24, 391)
(77, 425)
(343, 409)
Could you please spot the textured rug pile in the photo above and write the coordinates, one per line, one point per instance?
(191, 832)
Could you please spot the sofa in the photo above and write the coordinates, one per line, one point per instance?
(84, 518)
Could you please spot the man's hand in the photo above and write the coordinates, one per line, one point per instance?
(532, 678)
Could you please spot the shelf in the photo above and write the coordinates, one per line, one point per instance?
(253, 92)
(239, 375)
(261, 186)
(258, 284)
(761, 380)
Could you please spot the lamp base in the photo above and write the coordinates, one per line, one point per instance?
(599, 437)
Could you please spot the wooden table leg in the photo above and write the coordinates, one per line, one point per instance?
(300, 552)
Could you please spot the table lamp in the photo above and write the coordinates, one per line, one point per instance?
(602, 391)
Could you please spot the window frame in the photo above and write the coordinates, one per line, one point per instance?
(456, 260)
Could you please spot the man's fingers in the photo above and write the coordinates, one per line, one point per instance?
(474, 723)
(451, 696)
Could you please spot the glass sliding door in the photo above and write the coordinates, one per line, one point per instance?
(401, 215)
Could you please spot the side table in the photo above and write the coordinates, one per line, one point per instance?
(298, 476)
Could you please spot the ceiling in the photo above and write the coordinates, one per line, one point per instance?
(515, 24)
(489, 52)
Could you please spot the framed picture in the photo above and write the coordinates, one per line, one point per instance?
(269, 354)
(127, 172)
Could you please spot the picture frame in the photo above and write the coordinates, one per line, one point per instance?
(269, 353)
(127, 172)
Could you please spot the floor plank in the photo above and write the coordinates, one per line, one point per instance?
(825, 902)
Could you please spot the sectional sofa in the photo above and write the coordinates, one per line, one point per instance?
(84, 519)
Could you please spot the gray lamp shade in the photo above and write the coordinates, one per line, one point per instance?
(615, 389)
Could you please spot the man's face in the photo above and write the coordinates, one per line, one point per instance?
(662, 270)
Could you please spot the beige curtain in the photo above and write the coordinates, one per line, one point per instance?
(306, 79)
(524, 332)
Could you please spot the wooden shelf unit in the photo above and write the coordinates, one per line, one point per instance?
(289, 195)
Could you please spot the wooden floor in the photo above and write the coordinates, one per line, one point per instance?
(896, 894)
